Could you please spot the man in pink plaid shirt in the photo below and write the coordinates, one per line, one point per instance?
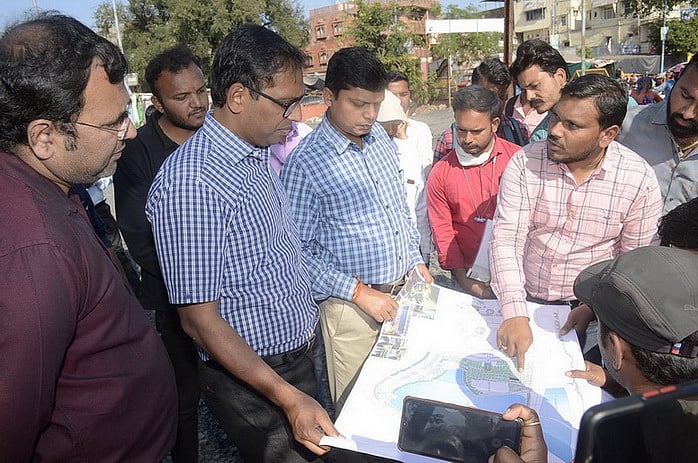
(565, 203)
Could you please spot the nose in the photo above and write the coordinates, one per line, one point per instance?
(297, 114)
(130, 131)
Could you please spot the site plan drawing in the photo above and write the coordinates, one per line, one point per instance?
(442, 346)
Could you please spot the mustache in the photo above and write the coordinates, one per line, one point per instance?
(679, 118)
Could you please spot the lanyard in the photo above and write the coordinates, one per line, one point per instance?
(480, 217)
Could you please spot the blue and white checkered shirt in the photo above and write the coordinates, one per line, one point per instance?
(223, 232)
(350, 208)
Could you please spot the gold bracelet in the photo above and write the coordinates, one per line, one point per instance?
(535, 423)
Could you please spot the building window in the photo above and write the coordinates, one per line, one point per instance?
(337, 28)
(320, 32)
(323, 57)
(609, 13)
(310, 61)
(628, 9)
(535, 15)
(563, 20)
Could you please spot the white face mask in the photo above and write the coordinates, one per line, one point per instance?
(466, 159)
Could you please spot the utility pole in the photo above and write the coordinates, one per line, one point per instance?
(663, 33)
(116, 23)
(583, 37)
(509, 31)
(36, 8)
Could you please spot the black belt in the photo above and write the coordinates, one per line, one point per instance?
(277, 360)
(574, 303)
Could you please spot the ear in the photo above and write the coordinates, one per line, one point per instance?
(327, 96)
(617, 350)
(42, 137)
(608, 135)
(237, 97)
(157, 103)
(495, 124)
(561, 77)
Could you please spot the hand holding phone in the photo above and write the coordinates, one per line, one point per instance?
(453, 432)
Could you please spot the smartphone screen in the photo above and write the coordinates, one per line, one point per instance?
(454, 432)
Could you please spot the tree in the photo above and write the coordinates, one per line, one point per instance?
(376, 27)
(681, 39)
(151, 26)
(466, 48)
(646, 7)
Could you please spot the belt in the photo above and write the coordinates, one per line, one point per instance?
(277, 360)
(574, 303)
(386, 288)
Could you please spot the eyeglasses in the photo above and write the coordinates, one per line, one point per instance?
(120, 132)
(289, 107)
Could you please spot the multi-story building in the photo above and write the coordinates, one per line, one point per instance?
(610, 27)
(329, 24)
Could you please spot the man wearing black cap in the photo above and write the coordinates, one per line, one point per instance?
(646, 302)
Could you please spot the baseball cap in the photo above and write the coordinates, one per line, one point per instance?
(390, 109)
(649, 296)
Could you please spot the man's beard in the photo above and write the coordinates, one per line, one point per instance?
(678, 130)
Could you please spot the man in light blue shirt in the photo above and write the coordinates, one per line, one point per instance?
(348, 199)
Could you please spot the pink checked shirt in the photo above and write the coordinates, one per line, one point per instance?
(547, 228)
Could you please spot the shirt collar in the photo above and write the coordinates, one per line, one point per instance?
(229, 143)
(338, 141)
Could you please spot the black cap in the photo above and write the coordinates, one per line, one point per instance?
(649, 296)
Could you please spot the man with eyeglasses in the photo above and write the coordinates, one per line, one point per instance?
(84, 375)
(348, 198)
(231, 258)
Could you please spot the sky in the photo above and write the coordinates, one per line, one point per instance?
(15, 10)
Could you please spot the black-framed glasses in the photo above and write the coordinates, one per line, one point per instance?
(120, 131)
(289, 106)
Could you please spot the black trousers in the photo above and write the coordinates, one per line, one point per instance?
(185, 362)
(257, 427)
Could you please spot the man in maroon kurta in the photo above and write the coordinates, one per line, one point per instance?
(462, 187)
(83, 376)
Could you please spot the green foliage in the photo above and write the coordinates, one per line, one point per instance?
(647, 7)
(588, 53)
(149, 27)
(455, 12)
(467, 48)
(681, 39)
(377, 27)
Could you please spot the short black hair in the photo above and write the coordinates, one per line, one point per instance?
(172, 60)
(535, 52)
(477, 98)
(679, 226)
(251, 55)
(397, 76)
(495, 72)
(609, 97)
(45, 64)
(355, 67)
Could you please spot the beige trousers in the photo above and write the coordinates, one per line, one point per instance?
(349, 335)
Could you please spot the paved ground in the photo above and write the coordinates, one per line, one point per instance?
(214, 445)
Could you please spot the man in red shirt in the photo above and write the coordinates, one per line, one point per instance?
(462, 189)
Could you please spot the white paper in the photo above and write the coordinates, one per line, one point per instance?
(442, 346)
(480, 270)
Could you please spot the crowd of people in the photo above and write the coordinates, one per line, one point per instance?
(272, 253)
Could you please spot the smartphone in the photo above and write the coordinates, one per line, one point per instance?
(453, 432)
